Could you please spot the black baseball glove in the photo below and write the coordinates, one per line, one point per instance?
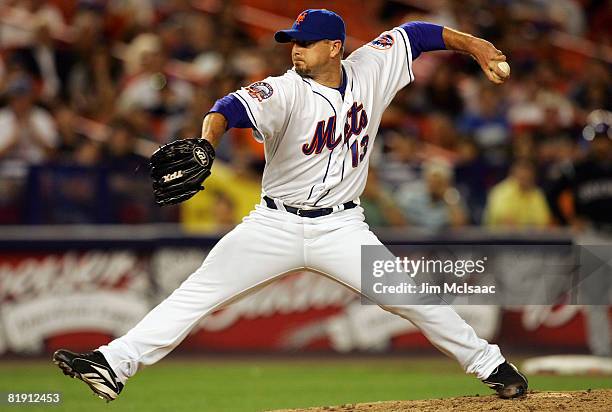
(178, 169)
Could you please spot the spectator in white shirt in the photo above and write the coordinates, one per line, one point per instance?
(27, 132)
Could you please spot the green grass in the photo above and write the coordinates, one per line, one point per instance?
(255, 385)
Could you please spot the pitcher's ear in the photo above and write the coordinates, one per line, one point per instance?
(337, 48)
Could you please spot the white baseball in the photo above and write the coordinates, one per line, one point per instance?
(504, 67)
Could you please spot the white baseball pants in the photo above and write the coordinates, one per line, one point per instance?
(265, 246)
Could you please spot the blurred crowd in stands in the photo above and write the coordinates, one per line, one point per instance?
(89, 88)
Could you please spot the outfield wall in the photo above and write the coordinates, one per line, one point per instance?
(78, 286)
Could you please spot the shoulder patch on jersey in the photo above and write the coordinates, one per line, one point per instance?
(383, 42)
(260, 90)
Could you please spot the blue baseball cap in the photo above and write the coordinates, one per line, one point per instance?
(314, 25)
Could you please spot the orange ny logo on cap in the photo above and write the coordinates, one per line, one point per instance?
(301, 18)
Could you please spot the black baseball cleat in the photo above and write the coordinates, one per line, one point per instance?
(91, 368)
(507, 381)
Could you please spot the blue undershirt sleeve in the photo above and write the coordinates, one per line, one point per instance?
(424, 37)
(235, 113)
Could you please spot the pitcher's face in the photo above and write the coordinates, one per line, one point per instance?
(310, 57)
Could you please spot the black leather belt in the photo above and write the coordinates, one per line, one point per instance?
(308, 212)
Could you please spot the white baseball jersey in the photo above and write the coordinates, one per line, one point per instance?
(317, 143)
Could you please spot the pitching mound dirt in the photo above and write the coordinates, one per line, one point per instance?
(590, 400)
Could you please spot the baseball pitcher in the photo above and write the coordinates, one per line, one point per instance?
(318, 122)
